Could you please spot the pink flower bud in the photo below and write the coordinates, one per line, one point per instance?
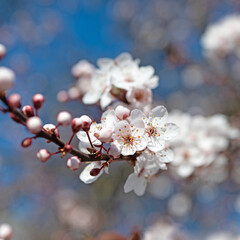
(95, 171)
(64, 118)
(7, 77)
(76, 124)
(82, 68)
(114, 151)
(27, 142)
(62, 96)
(38, 100)
(122, 112)
(3, 51)
(74, 93)
(28, 111)
(105, 135)
(34, 125)
(73, 163)
(14, 100)
(6, 231)
(68, 148)
(86, 122)
(51, 128)
(43, 155)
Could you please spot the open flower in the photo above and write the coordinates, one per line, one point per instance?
(130, 137)
(85, 175)
(157, 128)
(137, 181)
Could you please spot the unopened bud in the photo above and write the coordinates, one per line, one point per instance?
(122, 112)
(38, 100)
(62, 96)
(51, 128)
(64, 118)
(34, 125)
(7, 77)
(74, 93)
(43, 155)
(114, 151)
(68, 148)
(73, 163)
(76, 124)
(15, 118)
(86, 122)
(95, 171)
(6, 231)
(27, 142)
(14, 100)
(3, 51)
(28, 111)
(105, 135)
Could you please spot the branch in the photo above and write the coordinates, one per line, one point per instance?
(53, 138)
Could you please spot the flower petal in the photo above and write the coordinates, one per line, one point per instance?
(172, 130)
(159, 112)
(85, 174)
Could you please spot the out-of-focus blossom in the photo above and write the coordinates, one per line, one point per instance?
(222, 236)
(179, 199)
(222, 38)
(6, 232)
(147, 165)
(165, 231)
(7, 78)
(200, 142)
(123, 79)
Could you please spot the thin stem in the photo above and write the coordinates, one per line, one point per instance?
(90, 140)
(71, 138)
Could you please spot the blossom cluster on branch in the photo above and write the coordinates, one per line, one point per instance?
(115, 79)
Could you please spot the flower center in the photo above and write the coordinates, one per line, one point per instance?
(152, 131)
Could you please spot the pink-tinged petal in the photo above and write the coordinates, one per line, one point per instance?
(141, 143)
(137, 115)
(185, 170)
(156, 143)
(85, 174)
(123, 129)
(130, 183)
(140, 186)
(109, 119)
(136, 184)
(106, 99)
(159, 112)
(91, 97)
(123, 59)
(128, 149)
(164, 156)
(172, 131)
(105, 63)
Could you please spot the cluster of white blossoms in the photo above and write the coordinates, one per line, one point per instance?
(223, 236)
(167, 231)
(200, 142)
(222, 37)
(118, 79)
(128, 133)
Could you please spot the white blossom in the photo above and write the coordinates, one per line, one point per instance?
(121, 77)
(200, 142)
(222, 38)
(85, 175)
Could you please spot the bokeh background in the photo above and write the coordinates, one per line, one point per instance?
(45, 38)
